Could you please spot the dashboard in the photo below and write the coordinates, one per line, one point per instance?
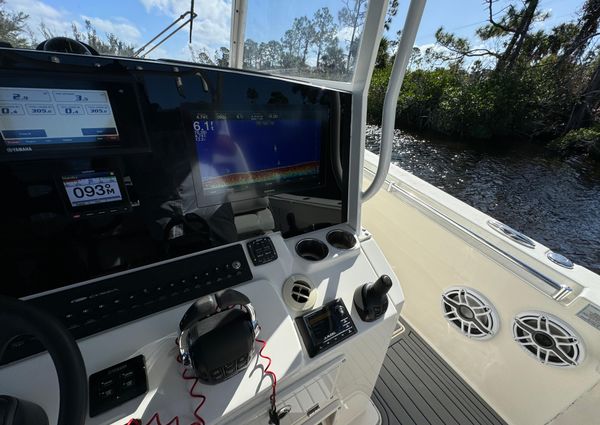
(119, 175)
(134, 190)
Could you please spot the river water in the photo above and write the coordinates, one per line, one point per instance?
(554, 201)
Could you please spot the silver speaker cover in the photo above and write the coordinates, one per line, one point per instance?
(548, 339)
(470, 312)
(299, 293)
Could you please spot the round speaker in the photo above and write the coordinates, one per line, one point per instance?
(470, 312)
(548, 339)
(299, 293)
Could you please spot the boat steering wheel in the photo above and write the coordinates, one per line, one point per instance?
(19, 318)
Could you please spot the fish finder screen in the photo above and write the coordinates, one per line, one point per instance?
(240, 149)
(92, 188)
(33, 117)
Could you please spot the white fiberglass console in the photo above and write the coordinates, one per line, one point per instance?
(334, 384)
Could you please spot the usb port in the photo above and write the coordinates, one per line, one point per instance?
(312, 410)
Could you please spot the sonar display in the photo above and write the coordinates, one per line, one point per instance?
(237, 150)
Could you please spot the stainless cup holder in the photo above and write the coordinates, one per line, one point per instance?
(341, 239)
(312, 249)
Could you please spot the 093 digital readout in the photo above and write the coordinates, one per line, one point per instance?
(91, 189)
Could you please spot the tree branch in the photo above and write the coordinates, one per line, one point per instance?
(494, 23)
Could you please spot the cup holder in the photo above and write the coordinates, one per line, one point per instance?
(312, 249)
(341, 239)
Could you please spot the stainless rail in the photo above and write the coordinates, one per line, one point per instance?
(407, 40)
(239, 11)
(190, 20)
(560, 291)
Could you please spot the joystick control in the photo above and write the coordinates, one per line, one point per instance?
(371, 299)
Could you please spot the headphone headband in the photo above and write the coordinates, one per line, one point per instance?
(211, 304)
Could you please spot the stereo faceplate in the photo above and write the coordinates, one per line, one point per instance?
(323, 328)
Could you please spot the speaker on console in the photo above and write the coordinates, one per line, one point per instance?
(548, 339)
(470, 312)
(299, 293)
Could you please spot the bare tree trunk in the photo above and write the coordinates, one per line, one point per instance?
(509, 58)
(318, 56)
(305, 51)
(357, 5)
(582, 111)
(588, 27)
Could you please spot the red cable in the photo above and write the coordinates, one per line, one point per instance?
(193, 394)
(268, 372)
(156, 417)
(199, 419)
(202, 398)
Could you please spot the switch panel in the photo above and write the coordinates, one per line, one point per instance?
(114, 386)
(261, 251)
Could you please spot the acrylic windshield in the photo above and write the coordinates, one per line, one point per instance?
(305, 39)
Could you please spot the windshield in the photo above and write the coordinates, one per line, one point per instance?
(308, 39)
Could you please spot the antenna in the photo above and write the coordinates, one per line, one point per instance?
(192, 20)
(192, 15)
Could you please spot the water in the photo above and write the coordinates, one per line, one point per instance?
(553, 201)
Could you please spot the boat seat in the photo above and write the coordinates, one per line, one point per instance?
(253, 216)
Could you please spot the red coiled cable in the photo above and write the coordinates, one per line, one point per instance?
(155, 419)
(199, 420)
(269, 372)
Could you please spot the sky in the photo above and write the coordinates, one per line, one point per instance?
(137, 21)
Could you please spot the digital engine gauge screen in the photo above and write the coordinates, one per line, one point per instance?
(91, 189)
(33, 117)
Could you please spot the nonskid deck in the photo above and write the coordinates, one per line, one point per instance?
(417, 387)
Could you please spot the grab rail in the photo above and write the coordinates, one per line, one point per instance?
(407, 41)
(560, 291)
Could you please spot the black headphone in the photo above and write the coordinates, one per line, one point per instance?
(199, 334)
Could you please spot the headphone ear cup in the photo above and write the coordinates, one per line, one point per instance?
(202, 307)
(230, 297)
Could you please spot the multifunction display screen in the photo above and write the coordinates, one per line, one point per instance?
(239, 149)
(92, 188)
(33, 117)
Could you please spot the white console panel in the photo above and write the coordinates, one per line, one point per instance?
(339, 380)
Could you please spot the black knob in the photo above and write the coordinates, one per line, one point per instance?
(382, 285)
(371, 299)
(340, 310)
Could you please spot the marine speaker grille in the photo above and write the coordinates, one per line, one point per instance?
(470, 312)
(299, 293)
(547, 338)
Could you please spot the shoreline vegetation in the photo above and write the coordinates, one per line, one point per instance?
(538, 85)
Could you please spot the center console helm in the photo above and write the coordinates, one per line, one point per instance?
(138, 186)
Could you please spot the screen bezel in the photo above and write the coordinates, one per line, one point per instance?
(79, 211)
(255, 190)
(123, 97)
